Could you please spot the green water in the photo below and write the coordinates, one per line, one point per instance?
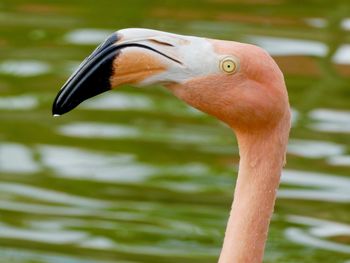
(136, 175)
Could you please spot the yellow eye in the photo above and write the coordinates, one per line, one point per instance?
(228, 65)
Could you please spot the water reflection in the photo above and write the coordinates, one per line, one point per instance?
(330, 115)
(61, 236)
(87, 36)
(16, 158)
(26, 255)
(24, 68)
(316, 22)
(314, 149)
(329, 120)
(345, 24)
(343, 160)
(48, 195)
(286, 46)
(93, 165)
(120, 100)
(71, 163)
(77, 232)
(322, 187)
(156, 132)
(295, 116)
(317, 232)
(17, 19)
(76, 163)
(342, 56)
(44, 210)
(135, 102)
(99, 130)
(23, 102)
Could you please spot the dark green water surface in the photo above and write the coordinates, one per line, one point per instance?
(136, 175)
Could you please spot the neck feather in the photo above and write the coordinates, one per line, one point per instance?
(262, 158)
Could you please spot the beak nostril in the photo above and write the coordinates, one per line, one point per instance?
(160, 42)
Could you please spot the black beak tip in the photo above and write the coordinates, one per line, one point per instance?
(56, 111)
(92, 78)
(58, 108)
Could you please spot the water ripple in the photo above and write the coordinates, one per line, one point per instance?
(49, 195)
(314, 149)
(135, 102)
(342, 55)
(316, 22)
(24, 68)
(119, 101)
(60, 236)
(26, 255)
(329, 120)
(156, 132)
(16, 158)
(87, 36)
(99, 130)
(76, 163)
(286, 46)
(345, 24)
(329, 187)
(343, 160)
(23, 102)
(316, 233)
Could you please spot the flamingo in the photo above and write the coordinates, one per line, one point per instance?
(240, 84)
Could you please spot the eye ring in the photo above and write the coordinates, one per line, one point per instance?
(229, 65)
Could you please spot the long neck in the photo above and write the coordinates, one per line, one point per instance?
(262, 158)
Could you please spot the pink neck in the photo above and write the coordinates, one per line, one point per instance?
(262, 158)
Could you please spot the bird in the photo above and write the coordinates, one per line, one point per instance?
(240, 84)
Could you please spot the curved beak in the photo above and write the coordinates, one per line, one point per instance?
(138, 57)
(90, 79)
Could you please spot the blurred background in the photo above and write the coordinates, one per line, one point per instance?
(136, 175)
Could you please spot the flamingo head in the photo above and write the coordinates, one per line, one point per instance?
(238, 83)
